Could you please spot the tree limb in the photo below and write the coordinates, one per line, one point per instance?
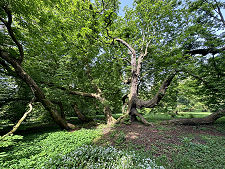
(143, 120)
(159, 95)
(92, 95)
(36, 90)
(197, 121)
(140, 59)
(21, 120)
(127, 45)
(11, 33)
(205, 52)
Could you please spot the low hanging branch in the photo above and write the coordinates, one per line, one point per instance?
(206, 51)
(198, 121)
(98, 96)
(21, 120)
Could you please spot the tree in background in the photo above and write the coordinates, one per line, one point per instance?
(206, 47)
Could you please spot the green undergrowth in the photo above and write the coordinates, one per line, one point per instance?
(80, 149)
(97, 157)
(36, 149)
(190, 154)
(61, 149)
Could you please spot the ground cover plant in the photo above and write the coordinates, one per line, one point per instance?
(122, 146)
(175, 146)
(36, 149)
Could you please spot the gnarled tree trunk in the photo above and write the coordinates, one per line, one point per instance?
(134, 102)
(98, 96)
(108, 115)
(16, 64)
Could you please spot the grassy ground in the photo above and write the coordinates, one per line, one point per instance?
(121, 146)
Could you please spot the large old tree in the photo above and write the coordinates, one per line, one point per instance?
(50, 48)
(81, 56)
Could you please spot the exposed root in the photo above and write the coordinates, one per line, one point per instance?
(143, 120)
(122, 119)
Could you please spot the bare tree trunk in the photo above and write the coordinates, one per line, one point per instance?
(134, 102)
(59, 103)
(198, 121)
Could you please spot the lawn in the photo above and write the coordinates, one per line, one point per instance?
(120, 146)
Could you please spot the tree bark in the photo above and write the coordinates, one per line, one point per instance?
(59, 103)
(198, 121)
(21, 120)
(108, 115)
(98, 96)
(159, 95)
(80, 116)
(16, 64)
(37, 91)
(134, 102)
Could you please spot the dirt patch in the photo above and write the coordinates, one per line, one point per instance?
(157, 137)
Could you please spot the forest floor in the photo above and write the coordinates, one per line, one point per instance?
(182, 146)
(144, 136)
(170, 146)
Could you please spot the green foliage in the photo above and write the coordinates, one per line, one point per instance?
(36, 149)
(9, 140)
(102, 157)
(196, 155)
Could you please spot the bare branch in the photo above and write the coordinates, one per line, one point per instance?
(140, 59)
(127, 45)
(21, 120)
(92, 95)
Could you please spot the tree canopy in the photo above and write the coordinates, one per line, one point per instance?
(80, 58)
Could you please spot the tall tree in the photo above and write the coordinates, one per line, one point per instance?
(150, 33)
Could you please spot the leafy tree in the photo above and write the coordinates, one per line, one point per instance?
(153, 28)
(206, 48)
